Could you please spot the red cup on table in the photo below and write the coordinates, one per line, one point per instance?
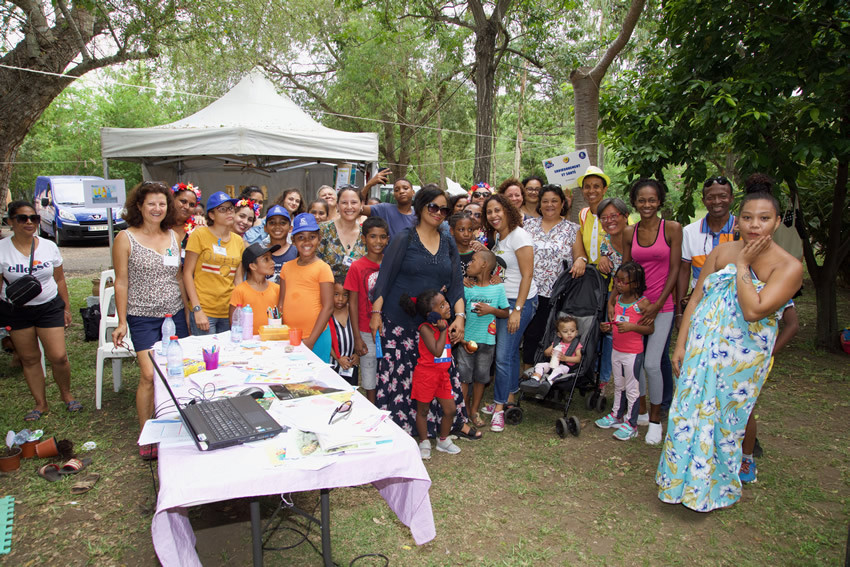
(294, 337)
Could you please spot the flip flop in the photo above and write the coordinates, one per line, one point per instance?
(85, 484)
(33, 415)
(73, 406)
(49, 472)
(472, 435)
(74, 466)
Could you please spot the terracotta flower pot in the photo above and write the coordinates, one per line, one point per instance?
(28, 449)
(47, 448)
(11, 462)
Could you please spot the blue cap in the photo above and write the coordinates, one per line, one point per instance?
(278, 211)
(219, 198)
(305, 222)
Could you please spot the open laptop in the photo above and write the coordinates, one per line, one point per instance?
(223, 423)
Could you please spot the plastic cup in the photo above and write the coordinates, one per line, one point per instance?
(294, 337)
(211, 360)
(275, 322)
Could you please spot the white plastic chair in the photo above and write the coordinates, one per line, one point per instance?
(106, 348)
(106, 276)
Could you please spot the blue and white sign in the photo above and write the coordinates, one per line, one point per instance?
(564, 170)
(105, 193)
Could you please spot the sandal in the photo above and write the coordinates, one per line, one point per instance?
(477, 421)
(73, 406)
(471, 435)
(149, 452)
(74, 466)
(85, 484)
(49, 472)
(33, 415)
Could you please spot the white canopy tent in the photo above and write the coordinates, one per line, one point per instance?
(250, 136)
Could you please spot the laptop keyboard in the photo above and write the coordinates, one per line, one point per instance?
(223, 419)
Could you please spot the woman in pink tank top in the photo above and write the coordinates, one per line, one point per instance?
(656, 245)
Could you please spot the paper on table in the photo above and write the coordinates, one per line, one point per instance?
(166, 432)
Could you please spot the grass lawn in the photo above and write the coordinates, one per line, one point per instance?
(523, 497)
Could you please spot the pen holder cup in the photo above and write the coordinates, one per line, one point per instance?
(294, 337)
(275, 322)
(211, 360)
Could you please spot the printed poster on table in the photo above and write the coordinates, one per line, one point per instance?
(565, 169)
(104, 193)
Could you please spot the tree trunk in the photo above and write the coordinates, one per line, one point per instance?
(826, 332)
(586, 93)
(586, 81)
(24, 97)
(485, 90)
(518, 146)
(440, 149)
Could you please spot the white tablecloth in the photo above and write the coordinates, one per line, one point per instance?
(190, 477)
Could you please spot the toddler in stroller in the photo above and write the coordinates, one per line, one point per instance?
(565, 349)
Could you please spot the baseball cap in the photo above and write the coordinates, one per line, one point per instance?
(219, 198)
(250, 254)
(305, 222)
(278, 211)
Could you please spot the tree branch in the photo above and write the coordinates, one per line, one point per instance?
(438, 17)
(629, 23)
(72, 24)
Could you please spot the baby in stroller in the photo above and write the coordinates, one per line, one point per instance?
(565, 349)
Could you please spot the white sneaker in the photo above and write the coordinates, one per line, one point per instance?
(643, 419)
(653, 434)
(447, 446)
(425, 450)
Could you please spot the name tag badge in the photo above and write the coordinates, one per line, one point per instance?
(446, 355)
(221, 250)
(347, 373)
(348, 260)
(621, 319)
(171, 261)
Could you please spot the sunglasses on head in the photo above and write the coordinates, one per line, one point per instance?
(435, 208)
(717, 179)
(481, 194)
(24, 218)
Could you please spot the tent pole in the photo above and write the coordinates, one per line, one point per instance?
(109, 227)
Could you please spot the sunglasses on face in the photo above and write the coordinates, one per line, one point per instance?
(481, 194)
(474, 215)
(720, 180)
(24, 218)
(434, 208)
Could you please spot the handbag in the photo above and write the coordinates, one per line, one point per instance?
(24, 289)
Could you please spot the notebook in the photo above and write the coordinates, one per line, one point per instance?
(223, 423)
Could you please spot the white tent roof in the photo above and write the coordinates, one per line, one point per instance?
(252, 119)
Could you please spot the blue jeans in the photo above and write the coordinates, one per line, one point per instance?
(605, 362)
(217, 325)
(507, 351)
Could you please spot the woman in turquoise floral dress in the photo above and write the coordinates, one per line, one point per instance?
(722, 357)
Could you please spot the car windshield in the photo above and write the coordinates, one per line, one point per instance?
(68, 192)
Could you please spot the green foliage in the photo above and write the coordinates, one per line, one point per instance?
(66, 139)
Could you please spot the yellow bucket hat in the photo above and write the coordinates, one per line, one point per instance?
(593, 170)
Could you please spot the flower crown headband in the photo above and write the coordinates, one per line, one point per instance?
(481, 185)
(177, 187)
(249, 203)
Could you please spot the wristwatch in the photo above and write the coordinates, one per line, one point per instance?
(518, 308)
(196, 308)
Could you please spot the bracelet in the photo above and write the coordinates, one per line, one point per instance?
(375, 312)
(581, 258)
(461, 315)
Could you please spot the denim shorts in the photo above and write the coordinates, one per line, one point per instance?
(145, 331)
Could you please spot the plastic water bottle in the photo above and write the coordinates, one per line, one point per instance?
(168, 330)
(236, 325)
(175, 363)
(247, 323)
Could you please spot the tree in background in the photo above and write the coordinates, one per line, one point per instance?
(766, 84)
(70, 38)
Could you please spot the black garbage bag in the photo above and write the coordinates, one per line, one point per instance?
(91, 321)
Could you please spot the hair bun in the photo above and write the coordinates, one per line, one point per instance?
(758, 183)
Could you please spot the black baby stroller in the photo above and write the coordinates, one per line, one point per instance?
(584, 298)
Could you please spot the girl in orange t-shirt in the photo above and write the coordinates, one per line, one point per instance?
(307, 288)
